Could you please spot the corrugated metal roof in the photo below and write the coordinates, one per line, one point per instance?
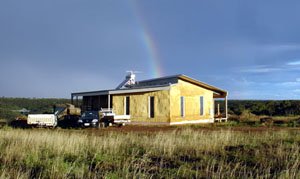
(161, 78)
(135, 89)
(189, 79)
(141, 86)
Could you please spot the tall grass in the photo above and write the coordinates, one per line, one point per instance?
(184, 153)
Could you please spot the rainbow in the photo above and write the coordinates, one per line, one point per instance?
(155, 67)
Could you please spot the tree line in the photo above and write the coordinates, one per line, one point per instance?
(265, 107)
(8, 106)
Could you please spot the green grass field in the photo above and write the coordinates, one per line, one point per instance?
(179, 152)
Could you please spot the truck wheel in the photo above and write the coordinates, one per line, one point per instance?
(106, 124)
(102, 125)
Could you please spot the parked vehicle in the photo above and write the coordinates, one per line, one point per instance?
(89, 119)
(103, 118)
(63, 114)
(67, 115)
(108, 117)
(42, 120)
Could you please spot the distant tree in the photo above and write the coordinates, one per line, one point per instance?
(265, 107)
(35, 105)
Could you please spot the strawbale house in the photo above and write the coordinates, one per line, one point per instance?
(169, 100)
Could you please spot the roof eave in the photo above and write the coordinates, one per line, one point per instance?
(122, 91)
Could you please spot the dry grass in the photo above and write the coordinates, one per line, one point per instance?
(181, 153)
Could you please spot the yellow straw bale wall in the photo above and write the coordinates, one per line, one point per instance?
(167, 104)
(191, 94)
(139, 109)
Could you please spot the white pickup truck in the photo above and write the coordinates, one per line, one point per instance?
(43, 120)
(108, 117)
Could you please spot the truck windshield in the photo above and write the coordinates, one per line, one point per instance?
(91, 114)
(58, 110)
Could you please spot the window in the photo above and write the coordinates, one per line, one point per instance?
(182, 106)
(201, 105)
(127, 105)
(151, 107)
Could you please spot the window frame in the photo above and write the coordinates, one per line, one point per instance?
(151, 107)
(182, 106)
(201, 105)
(127, 105)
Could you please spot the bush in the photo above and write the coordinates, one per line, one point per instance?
(8, 115)
(248, 116)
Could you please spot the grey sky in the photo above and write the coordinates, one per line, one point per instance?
(53, 48)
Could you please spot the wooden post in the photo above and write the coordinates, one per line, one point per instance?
(72, 98)
(76, 100)
(226, 106)
(218, 109)
(108, 101)
(99, 102)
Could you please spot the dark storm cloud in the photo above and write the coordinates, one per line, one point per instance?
(52, 48)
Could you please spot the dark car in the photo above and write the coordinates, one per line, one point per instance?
(89, 119)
